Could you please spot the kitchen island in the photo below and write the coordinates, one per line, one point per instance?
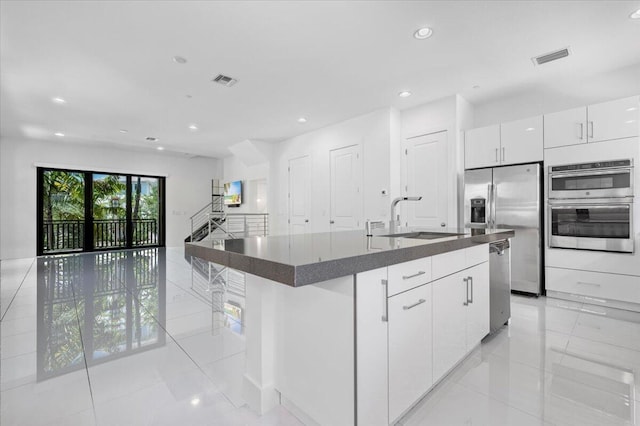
(345, 329)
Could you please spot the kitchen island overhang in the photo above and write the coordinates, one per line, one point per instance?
(303, 259)
(323, 343)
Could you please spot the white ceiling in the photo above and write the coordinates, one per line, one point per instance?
(327, 61)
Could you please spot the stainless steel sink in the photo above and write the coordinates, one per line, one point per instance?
(422, 235)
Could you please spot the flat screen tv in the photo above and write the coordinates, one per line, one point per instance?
(233, 193)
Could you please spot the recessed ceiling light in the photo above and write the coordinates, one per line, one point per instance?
(422, 33)
(160, 148)
(179, 60)
(635, 15)
(302, 120)
(152, 139)
(59, 100)
(630, 121)
(631, 109)
(195, 401)
(404, 94)
(529, 129)
(124, 131)
(59, 134)
(193, 127)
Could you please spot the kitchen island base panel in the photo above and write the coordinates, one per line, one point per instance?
(291, 333)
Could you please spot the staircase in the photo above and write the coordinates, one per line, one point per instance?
(212, 222)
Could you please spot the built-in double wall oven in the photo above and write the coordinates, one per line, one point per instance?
(591, 206)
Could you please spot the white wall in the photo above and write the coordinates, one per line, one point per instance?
(371, 131)
(188, 185)
(562, 94)
(432, 117)
(465, 117)
(255, 178)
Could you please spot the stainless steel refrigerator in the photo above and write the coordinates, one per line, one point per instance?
(510, 197)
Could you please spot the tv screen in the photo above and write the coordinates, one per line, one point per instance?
(233, 193)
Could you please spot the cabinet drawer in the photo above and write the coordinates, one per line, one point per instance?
(476, 255)
(407, 275)
(595, 284)
(448, 263)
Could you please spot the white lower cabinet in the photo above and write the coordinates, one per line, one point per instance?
(478, 307)
(460, 316)
(449, 322)
(407, 341)
(410, 374)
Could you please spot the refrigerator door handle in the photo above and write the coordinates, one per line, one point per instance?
(492, 206)
(494, 199)
(489, 194)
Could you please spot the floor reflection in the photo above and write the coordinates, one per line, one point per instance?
(93, 308)
(224, 289)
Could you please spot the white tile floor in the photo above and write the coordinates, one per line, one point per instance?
(131, 339)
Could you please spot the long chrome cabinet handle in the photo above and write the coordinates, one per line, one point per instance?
(496, 155)
(590, 129)
(419, 302)
(385, 302)
(406, 277)
(471, 281)
(466, 287)
(503, 155)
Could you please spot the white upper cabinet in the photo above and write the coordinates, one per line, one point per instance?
(613, 120)
(565, 128)
(482, 147)
(521, 141)
(509, 143)
(600, 122)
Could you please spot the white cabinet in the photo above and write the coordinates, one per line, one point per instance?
(515, 142)
(595, 123)
(565, 128)
(482, 147)
(407, 275)
(613, 120)
(521, 141)
(478, 307)
(449, 322)
(411, 330)
(372, 348)
(460, 316)
(625, 288)
(410, 374)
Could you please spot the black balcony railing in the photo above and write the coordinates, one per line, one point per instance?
(63, 235)
(68, 235)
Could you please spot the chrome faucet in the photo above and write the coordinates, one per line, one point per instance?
(395, 221)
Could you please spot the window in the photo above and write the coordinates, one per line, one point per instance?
(85, 211)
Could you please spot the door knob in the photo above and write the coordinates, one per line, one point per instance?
(443, 224)
(306, 221)
(332, 222)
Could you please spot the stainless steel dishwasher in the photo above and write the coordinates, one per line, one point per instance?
(500, 284)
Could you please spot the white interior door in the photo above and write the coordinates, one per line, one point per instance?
(299, 194)
(346, 188)
(427, 176)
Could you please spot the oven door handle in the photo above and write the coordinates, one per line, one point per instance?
(613, 171)
(587, 206)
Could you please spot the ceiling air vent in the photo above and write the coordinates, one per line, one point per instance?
(225, 80)
(552, 56)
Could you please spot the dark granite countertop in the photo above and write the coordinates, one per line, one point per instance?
(303, 259)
